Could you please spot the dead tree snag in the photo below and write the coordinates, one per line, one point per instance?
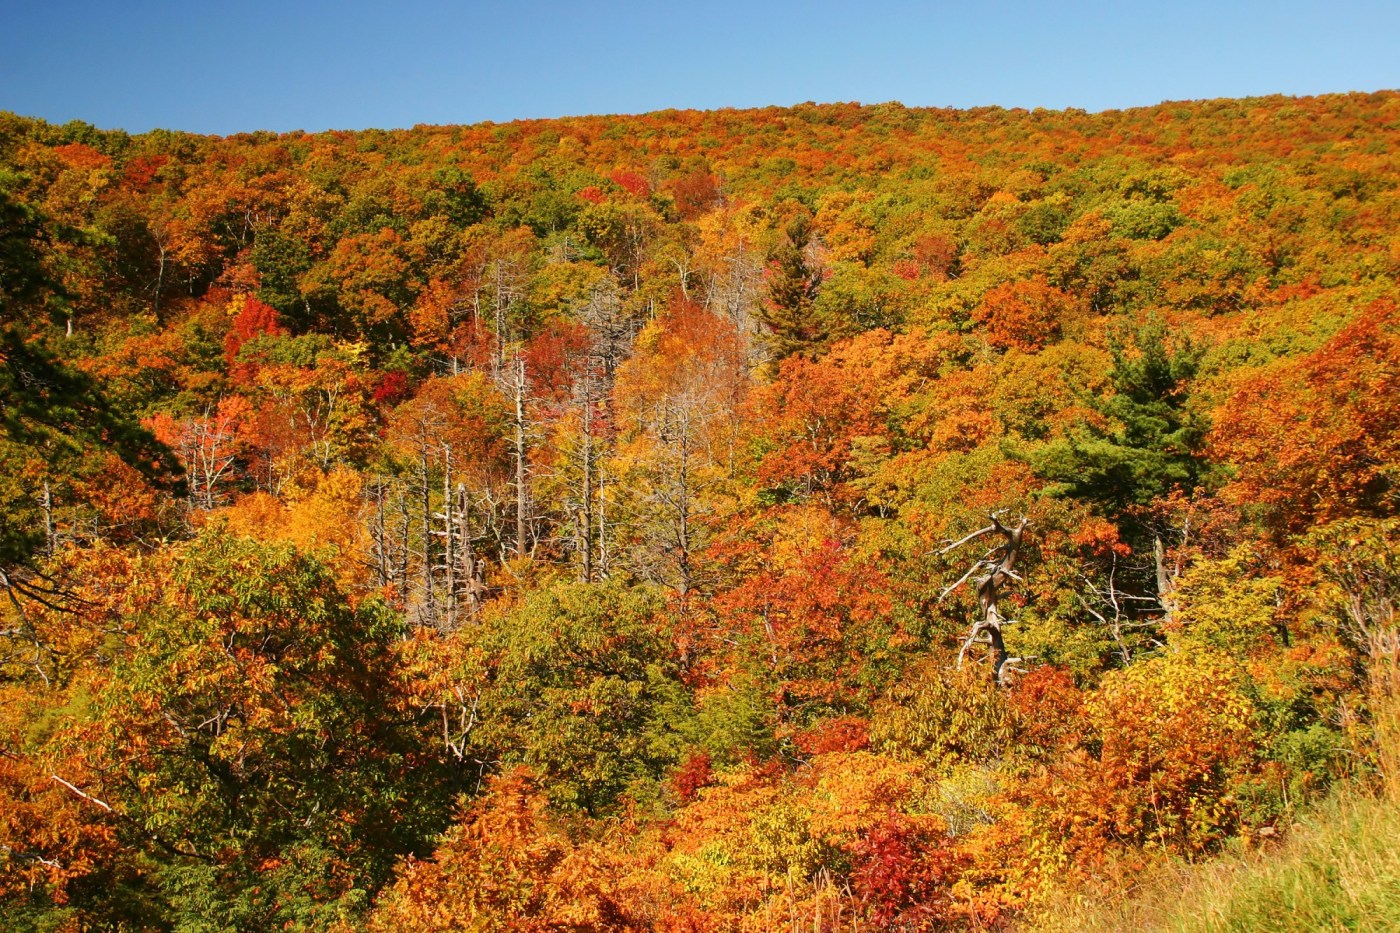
(995, 567)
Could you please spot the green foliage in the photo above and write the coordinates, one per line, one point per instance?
(57, 425)
(789, 315)
(1223, 605)
(1359, 562)
(281, 261)
(1045, 220)
(735, 720)
(1152, 441)
(305, 351)
(947, 717)
(522, 353)
(1142, 219)
(854, 299)
(247, 735)
(583, 688)
(24, 276)
(455, 196)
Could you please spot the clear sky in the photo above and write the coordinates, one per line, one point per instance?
(235, 65)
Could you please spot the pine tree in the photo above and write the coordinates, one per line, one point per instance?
(788, 313)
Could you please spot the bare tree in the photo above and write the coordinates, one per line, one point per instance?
(463, 574)
(677, 399)
(515, 383)
(995, 567)
(386, 515)
(585, 481)
(611, 329)
(677, 485)
(209, 448)
(50, 528)
(1126, 616)
(581, 471)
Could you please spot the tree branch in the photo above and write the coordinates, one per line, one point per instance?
(86, 796)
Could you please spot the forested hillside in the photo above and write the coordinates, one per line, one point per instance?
(826, 518)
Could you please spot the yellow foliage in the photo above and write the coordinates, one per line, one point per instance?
(856, 790)
(320, 510)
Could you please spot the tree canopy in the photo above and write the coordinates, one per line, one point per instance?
(820, 517)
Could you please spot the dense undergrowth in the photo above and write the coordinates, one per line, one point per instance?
(1337, 869)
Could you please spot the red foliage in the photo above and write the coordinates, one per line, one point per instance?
(813, 611)
(393, 387)
(901, 871)
(1024, 315)
(814, 411)
(141, 171)
(936, 253)
(694, 773)
(908, 269)
(840, 734)
(1049, 707)
(695, 194)
(553, 358)
(1317, 439)
(632, 183)
(252, 319)
(82, 157)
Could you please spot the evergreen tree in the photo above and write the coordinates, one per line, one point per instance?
(1154, 442)
(788, 314)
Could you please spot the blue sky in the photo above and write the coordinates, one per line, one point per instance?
(234, 66)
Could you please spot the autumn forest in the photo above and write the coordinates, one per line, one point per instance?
(838, 517)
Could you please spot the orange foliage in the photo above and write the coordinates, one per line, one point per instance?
(503, 866)
(1023, 315)
(1317, 439)
(805, 751)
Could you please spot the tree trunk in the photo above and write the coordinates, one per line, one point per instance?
(50, 532)
(428, 606)
(522, 513)
(1166, 582)
(449, 534)
(997, 568)
(585, 518)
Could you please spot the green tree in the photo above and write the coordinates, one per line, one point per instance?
(584, 692)
(1152, 439)
(281, 261)
(792, 291)
(55, 422)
